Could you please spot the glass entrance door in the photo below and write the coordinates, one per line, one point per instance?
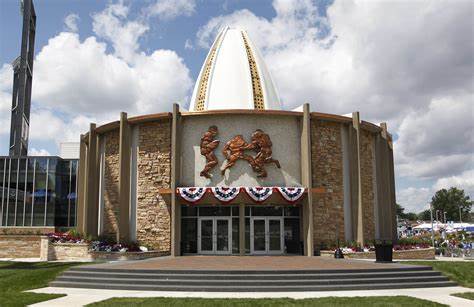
(266, 235)
(214, 235)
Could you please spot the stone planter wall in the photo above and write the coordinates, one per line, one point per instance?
(127, 255)
(19, 246)
(422, 253)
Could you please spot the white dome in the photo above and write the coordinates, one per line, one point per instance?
(234, 76)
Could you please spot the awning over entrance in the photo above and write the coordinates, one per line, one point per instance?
(258, 195)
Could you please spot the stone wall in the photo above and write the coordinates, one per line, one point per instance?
(422, 253)
(111, 184)
(367, 174)
(28, 230)
(327, 171)
(154, 172)
(69, 251)
(20, 246)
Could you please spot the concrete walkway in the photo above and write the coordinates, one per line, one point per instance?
(81, 297)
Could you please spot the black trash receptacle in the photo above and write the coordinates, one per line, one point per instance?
(383, 251)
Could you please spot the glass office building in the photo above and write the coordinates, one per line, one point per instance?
(37, 191)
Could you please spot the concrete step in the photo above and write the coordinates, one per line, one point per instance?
(249, 272)
(264, 288)
(301, 276)
(251, 282)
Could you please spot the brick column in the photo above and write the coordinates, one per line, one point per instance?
(242, 229)
(175, 171)
(124, 179)
(356, 180)
(307, 182)
(80, 219)
(91, 204)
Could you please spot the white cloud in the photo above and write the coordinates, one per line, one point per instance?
(437, 141)
(464, 181)
(188, 45)
(71, 22)
(6, 86)
(409, 63)
(38, 152)
(111, 24)
(170, 9)
(415, 199)
(74, 76)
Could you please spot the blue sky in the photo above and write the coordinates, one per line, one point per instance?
(406, 63)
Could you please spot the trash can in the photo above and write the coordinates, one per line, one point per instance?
(383, 251)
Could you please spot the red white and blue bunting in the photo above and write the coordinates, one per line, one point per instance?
(291, 194)
(228, 194)
(259, 194)
(192, 194)
(225, 194)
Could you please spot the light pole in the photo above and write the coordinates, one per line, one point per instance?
(460, 219)
(444, 214)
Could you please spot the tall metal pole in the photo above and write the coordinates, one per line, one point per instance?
(460, 218)
(432, 226)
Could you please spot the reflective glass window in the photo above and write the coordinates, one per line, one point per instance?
(3, 192)
(29, 191)
(73, 194)
(12, 192)
(20, 200)
(39, 198)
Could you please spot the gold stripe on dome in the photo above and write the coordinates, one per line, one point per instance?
(201, 94)
(256, 85)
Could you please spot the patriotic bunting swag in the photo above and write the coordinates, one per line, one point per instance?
(291, 194)
(193, 194)
(259, 194)
(225, 194)
(228, 194)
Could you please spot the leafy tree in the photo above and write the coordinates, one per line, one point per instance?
(425, 215)
(451, 202)
(408, 216)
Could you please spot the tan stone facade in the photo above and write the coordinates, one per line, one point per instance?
(327, 172)
(150, 198)
(111, 184)
(154, 173)
(368, 193)
(20, 246)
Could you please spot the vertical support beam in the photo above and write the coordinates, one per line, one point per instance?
(380, 166)
(242, 229)
(175, 171)
(307, 181)
(124, 180)
(360, 215)
(81, 186)
(390, 181)
(91, 187)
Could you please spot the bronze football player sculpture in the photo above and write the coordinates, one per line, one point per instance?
(234, 150)
(208, 145)
(262, 144)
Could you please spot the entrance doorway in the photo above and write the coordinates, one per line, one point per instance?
(266, 235)
(215, 235)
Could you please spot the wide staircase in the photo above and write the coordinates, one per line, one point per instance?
(251, 281)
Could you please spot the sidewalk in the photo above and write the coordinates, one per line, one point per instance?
(80, 297)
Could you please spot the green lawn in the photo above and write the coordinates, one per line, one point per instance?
(460, 272)
(16, 277)
(380, 301)
(468, 295)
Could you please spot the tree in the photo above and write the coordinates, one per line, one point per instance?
(451, 202)
(425, 215)
(407, 216)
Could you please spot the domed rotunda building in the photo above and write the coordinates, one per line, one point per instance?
(236, 174)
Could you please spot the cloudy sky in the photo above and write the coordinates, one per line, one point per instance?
(407, 63)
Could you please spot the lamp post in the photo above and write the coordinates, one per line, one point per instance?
(444, 214)
(460, 215)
